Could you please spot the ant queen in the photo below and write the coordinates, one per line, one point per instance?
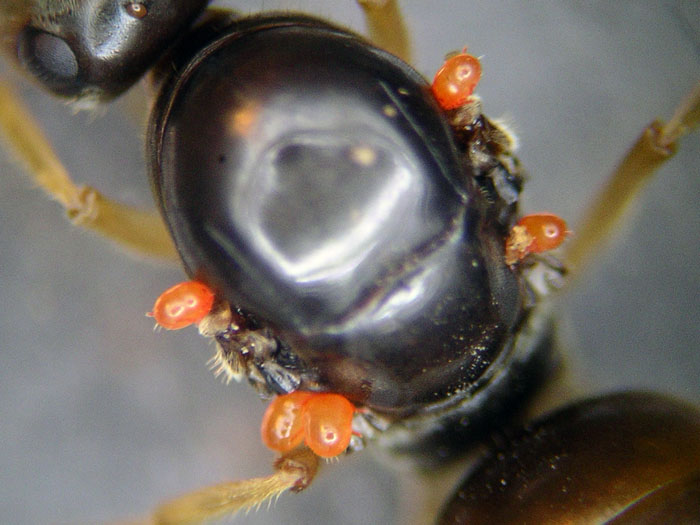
(103, 418)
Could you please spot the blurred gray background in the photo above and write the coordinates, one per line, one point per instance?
(100, 417)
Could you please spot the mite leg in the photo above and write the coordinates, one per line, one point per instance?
(652, 149)
(386, 27)
(139, 231)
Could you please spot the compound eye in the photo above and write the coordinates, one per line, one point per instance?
(48, 56)
(136, 10)
(94, 50)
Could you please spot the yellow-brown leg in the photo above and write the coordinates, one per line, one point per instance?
(386, 27)
(139, 231)
(653, 148)
(295, 471)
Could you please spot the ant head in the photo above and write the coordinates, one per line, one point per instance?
(96, 49)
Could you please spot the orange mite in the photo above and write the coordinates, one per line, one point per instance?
(535, 233)
(322, 421)
(328, 424)
(455, 81)
(282, 427)
(182, 305)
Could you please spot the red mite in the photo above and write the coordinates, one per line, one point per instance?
(540, 232)
(323, 421)
(455, 81)
(535, 233)
(182, 305)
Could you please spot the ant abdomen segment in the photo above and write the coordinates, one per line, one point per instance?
(268, 344)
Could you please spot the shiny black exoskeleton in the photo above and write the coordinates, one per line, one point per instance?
(97, 49)
(358, 237)
(625, 459)
(312, 180)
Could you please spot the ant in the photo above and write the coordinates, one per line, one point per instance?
(536, 174)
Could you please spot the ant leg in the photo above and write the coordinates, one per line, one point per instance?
(142, 232)
(386, 27)
(653, 148)
(295, 471)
